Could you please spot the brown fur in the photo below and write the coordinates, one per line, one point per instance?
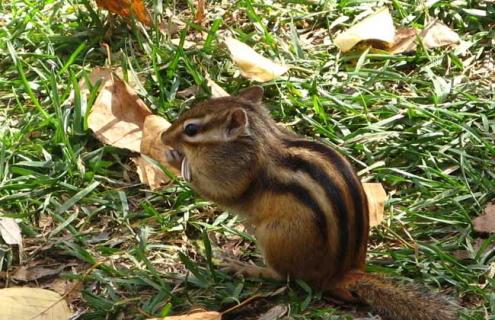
(304, 201)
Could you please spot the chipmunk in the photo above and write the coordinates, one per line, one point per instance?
(304, 200)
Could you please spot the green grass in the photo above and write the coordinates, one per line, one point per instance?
(422, 124)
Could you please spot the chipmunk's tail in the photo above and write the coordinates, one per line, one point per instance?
(399, 302)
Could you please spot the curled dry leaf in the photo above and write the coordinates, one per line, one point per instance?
(274, 313)
(200, 11)
(99, 74)
(127, 8)
(253, 65)
(10, 231)
(377, 26)
(32, 303)
(404, 41)
(380, 26)
(486, 222)
(186, 45)
(118, 114)
(434, 35)
(216, 90)
(439, 35)
(207, 315)
(188, 92)
(376, 202)
(120, 118)
(32, 273)
(152, 146)
(71, 290)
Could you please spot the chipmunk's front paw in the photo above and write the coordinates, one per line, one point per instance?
(236, 267)
(239, 268)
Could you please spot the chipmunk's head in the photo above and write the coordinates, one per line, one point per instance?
(210, 124)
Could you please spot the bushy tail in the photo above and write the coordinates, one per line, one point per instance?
(400, 302)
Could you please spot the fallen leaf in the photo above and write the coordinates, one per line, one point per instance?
(148, 174)
(404, 41)
(126, 8)
(462, 254)
(274, 313)
(171, 25)
(26, 273)
(10, 231)
(208, 315)
(200, 11)
(216, 90)
(32, 303)
(98, 74)
(153, 147)
(486, 222)
(378, 29)
(117, 116)
(252, 65)
(186, 45)
(439, 35)
(376, 202)
(45, 221)
(189, 91)
(377, 26)
(71, 290)
(434, 35)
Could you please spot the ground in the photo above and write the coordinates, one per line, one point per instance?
(422, 124)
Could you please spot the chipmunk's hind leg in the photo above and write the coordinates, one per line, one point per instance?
(249, 270)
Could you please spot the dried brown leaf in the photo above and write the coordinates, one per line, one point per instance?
(28, 273)
(486, 222)
(216, 90)
(200, 11)
(189, 91)
(71, 290)
(98, 74)
(32, 303)
(274, 313)
(186, 45)
(11, 232)
(434, 35)
(153, 147)
(127, 8)
(118, 114)
(208, 315)
(253, 65)
(148, 173)
(377, 26)
(151, 144)
(404, 41)
(376, 202)
(439, 35)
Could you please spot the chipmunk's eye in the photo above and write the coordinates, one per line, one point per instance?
(191, 129)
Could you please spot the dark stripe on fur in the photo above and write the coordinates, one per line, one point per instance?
(263, 182)
(332, 192)
(301, 193)
(355, 189)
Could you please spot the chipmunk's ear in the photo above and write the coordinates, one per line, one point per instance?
(237, 123)
(252, 94)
